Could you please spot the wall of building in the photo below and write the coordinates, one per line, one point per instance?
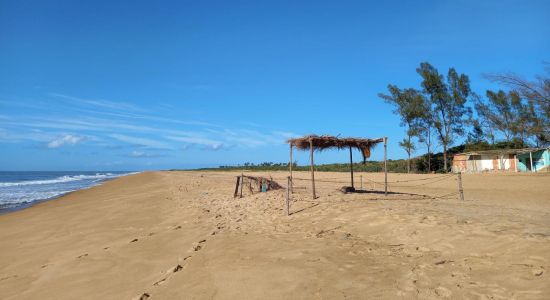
(541, 161)
(483, 163)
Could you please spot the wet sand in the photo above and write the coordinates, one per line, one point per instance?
(182, 235)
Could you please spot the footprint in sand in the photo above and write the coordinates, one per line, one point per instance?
(134, 240)
(198, 245)
(83, 255)
(144, 296)
(159, 282)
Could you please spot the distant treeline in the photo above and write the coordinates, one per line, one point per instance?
(419, 164)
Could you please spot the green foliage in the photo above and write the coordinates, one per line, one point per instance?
(448, 101)
(409, 105)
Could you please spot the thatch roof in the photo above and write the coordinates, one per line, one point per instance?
(326, 142)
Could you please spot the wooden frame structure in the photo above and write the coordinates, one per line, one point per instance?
(315, 142)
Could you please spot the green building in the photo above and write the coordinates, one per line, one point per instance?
(537, 160)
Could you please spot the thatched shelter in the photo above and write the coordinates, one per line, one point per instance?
(315, 142)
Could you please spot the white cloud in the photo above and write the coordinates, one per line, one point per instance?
(68, 139)
(197, 140)
(142, 154)
(143, 142)
(98, 103)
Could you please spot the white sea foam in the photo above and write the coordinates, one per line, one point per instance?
(28, 197)
(19, 193)
(61, 179)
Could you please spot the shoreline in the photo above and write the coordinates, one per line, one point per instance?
(28, 204)
(174, 235)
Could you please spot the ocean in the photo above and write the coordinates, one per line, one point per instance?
(19, 190)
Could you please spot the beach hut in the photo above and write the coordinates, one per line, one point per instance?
(513, 160)
(315, 142)
(536, 160)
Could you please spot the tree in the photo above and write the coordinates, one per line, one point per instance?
(537, 94)
(476, 136)
(449, 101)
(408, 105)
(498, 112)
(424, 128)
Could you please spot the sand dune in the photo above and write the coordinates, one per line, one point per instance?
(181, 235)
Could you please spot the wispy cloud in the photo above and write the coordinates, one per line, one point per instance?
(98, 103)
(68, 139)
(142, 154)
(197, 140)
(142, 142)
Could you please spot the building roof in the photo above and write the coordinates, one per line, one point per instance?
(502, 151)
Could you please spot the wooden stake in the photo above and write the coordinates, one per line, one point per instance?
(288, 196)
(351, 165)
(385, 166)
(361, 176)
(311, 167)
(236, 187)
(291, 189)
(241, 186)
(460, 190)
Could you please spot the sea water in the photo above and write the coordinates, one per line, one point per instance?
(22, 189)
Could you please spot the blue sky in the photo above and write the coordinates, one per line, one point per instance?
(134, 85)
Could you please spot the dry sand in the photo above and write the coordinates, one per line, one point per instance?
(181, 235)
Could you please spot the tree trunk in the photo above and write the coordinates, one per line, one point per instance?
(409, 153)
(445, 157)
(409, 162)
(429, 161)
(428, 144)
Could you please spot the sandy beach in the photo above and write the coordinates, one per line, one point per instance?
(182, 235)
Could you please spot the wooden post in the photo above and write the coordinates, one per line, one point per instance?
(291, 189)
(385, 166)
(236, 187)
(460, 190)
(311, 167)
(288, 196)
(361, 176)
(515, 163)
(351, 165)
(241, 186)
(531, 161)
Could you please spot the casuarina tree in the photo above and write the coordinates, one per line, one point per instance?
(449, 102)
(408, 105)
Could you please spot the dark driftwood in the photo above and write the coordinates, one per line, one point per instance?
(255, 183)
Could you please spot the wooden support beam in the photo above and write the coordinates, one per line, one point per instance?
(531, 161)
(385, 166)
(290, 166)
(460, 190)
(288, 196)
(311, 167)
(241, 186)
(236, 187)
(351, 165)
